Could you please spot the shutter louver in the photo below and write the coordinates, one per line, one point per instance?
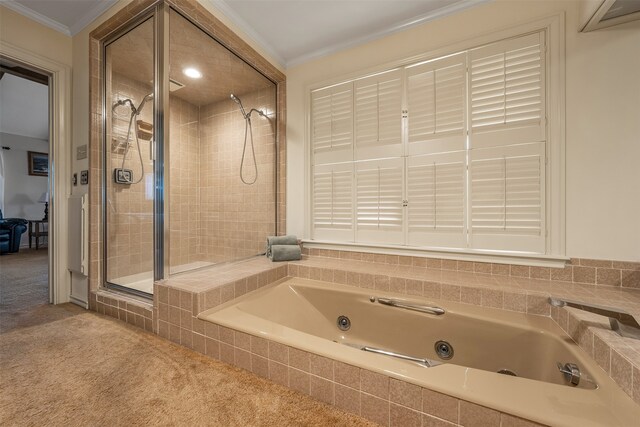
(436, 200)
(333, 202)
(332, 124)
(507, 90)
(436, 106)
(378, 116)
(507, 198)
(379, 189)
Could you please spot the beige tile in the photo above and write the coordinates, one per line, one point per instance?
(540, 273)
(621, 372)
(381, 283)
(374, 383)
(227, 335)
(501, 269)
(278, 373)
(299, 380)
(347, 399)
(347, 375)
(636, 384)
(260, 365)
(227, 353)
(211, 330)
(212, 348)
(199, 343)
(431, 290)
(470, 295)
(482, 267)
(630, 279)
(419, 262)
(562, 274)
(299, 359)
(595, 263)
(520, 271)
(321, 366)
(242, 341)
(472, 415)
(465, 266)
(449, 264)
(405, 394)
(278, 352)
(243, 359)
(514, 301)
(414, 287)
(260, 346)
(397, 284)
(440, 405)
(537, 304)
(492, 298)
(321, 389)
(399, 416)
(584, 275)
(374, 409)
(450, 292)
(608, 277)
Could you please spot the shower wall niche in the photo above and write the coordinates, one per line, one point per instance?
(190, 173)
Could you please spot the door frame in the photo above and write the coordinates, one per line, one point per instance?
(59, 162)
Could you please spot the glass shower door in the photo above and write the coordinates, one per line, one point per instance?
(129, 165)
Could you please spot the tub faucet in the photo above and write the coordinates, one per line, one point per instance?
(621, 321)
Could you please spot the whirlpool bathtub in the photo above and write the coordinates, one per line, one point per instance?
(515, 363)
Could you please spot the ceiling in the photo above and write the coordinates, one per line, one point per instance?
(291, 31)
(223, 73)
(24, 107)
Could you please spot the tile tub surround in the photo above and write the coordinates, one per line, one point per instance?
(578, 270)
(381, 399)
(619, 357)
(134, 311)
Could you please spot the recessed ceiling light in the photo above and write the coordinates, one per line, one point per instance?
(192, 72)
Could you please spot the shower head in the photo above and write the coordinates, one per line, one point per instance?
(237, 101)
(122, 102)
(143, 102)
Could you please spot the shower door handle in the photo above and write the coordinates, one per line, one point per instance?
(152, 147)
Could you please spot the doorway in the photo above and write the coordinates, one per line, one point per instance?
(25, 123)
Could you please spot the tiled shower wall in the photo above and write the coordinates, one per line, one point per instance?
(129, 207)
(184, 192)
(236, 217)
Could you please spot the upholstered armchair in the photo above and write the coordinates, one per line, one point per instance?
(11, 230)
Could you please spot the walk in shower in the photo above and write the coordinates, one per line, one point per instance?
(189, 152)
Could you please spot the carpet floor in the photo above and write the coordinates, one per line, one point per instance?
(70, 367)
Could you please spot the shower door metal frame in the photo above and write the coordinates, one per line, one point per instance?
(152, 12)
(160, 12)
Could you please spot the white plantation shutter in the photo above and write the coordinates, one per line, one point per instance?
(333, 205)
(436, 105)
(507, 198)
(436, 200)
(379, 203)
(507, 91)
(378, 116)
(462, 167)
(332, 124)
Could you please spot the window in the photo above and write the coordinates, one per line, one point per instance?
(450, 153)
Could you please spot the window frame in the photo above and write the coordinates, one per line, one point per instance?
(555, 203)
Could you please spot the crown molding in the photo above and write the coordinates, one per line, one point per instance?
(101, 7)
(229, 13)
(404, 25)
(38, 17)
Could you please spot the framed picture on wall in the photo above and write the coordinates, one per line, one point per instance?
(38, 164)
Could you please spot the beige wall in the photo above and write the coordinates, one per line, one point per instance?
(34, 37)
(602, 119)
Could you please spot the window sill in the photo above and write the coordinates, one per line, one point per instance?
(495, 257)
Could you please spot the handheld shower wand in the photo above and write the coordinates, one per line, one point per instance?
(248, 130)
